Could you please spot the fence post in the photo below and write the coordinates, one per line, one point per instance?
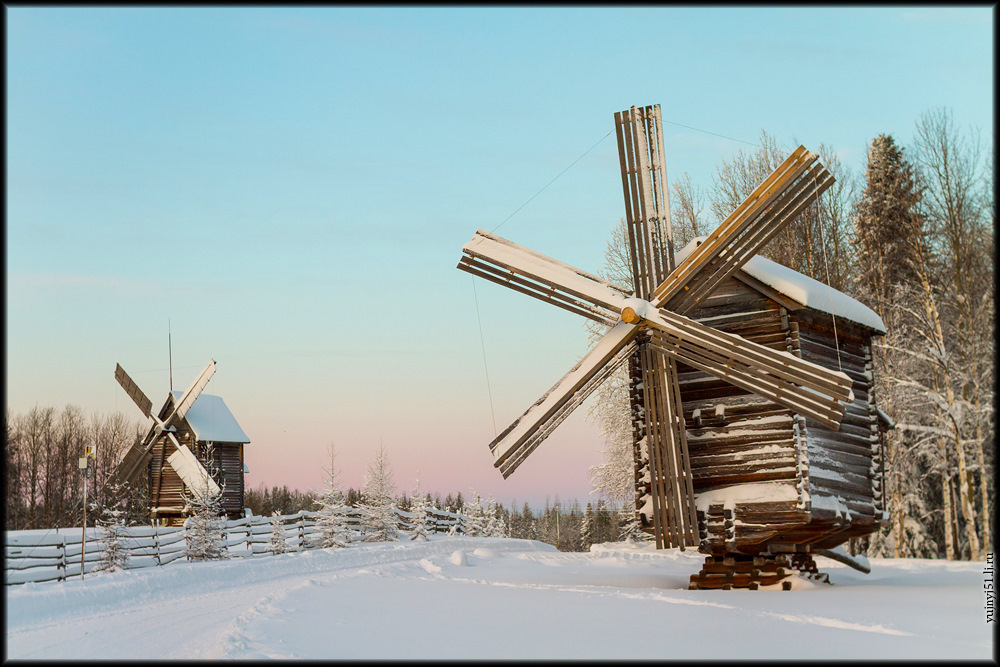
(302, 530)
(62, 559)
(156, 543)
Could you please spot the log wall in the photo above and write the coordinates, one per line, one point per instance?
(736, 438)
(840, 462)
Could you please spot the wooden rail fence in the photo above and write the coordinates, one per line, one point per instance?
(54, 555)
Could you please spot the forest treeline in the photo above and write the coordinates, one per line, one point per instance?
(911, 235)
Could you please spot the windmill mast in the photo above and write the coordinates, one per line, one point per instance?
(170, 355)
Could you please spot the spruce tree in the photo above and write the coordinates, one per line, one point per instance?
(205, 526)
(115, 555)
(332, 521)
(380, 521)
(474, 524)
(884, 222)
(277, 544)
(419, 510)
(587, 528)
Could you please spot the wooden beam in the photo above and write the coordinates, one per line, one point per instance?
(613, 342)
(498, 251)
(529, 444)
(719, 241)
(544, 293)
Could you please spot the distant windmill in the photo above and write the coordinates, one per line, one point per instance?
(174, 453)
(649, 329)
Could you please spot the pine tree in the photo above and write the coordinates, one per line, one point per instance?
(496, 523)
(884, 222)
(587, 528)
(629, 527)
(380, 521)
(277, 544)
(115, 555)
(474, 524)
(205, 526)
(419, 510)
(332, 521)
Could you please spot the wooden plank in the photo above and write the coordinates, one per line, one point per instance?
(748, 378)
(786, 208)
(133, 391)
(654, 450)
(783, 365)
(621, 134)
(534, 440)
(613, 342)
(492, 249)
(523, 286)
(768, 291)
(659, 163)
(731, 228)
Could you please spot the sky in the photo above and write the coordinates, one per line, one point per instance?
(287, 191)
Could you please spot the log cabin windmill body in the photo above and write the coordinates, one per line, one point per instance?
(653, 330)
(195, 444)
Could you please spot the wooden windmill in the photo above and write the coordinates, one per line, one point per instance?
(174, 455)
(650, 330)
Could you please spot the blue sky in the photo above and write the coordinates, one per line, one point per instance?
(291, 188)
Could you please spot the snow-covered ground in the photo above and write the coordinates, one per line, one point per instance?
(483, 598)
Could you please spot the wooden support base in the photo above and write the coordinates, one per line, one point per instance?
(752, 572)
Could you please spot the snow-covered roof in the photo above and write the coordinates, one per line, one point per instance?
(802, 288)
(211, 420)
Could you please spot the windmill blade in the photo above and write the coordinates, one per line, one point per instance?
(502, 261)
(795, 184)
(647, 206)
(192, 393)
(520, 438)
(800, 385)
(192, 472)
(675, 522)
(135, 458)
(133, 390)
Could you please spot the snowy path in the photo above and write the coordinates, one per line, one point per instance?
(496, 599)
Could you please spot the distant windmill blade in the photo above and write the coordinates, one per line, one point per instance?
(135, 458)
(133, 390)
(192, 393)
(192, 472)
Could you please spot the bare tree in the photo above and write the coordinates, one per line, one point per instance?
(687, 209)
(960, 241)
